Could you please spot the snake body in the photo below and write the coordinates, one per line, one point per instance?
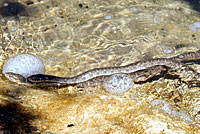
(138, 76)
(139, 71)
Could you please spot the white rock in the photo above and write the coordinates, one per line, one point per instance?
(118, 83)
(167, 108)
(24, 64)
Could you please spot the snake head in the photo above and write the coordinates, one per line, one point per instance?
(16, 78)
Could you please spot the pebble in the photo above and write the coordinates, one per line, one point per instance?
(24, 64)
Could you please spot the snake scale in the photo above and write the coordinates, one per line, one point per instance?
(138, 71)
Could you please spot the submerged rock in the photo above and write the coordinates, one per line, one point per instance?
(24, 64)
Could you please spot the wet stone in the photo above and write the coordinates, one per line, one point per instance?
(11, 9)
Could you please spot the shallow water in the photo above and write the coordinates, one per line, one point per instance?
(72, 37)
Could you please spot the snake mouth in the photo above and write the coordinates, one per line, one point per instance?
(16, 78)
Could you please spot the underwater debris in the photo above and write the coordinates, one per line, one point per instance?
(195, 4)
(12, 9)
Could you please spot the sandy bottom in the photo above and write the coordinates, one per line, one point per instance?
(71, 37)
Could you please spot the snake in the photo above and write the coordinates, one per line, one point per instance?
(138, 71)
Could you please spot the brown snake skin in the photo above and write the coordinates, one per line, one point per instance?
(139, 71)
